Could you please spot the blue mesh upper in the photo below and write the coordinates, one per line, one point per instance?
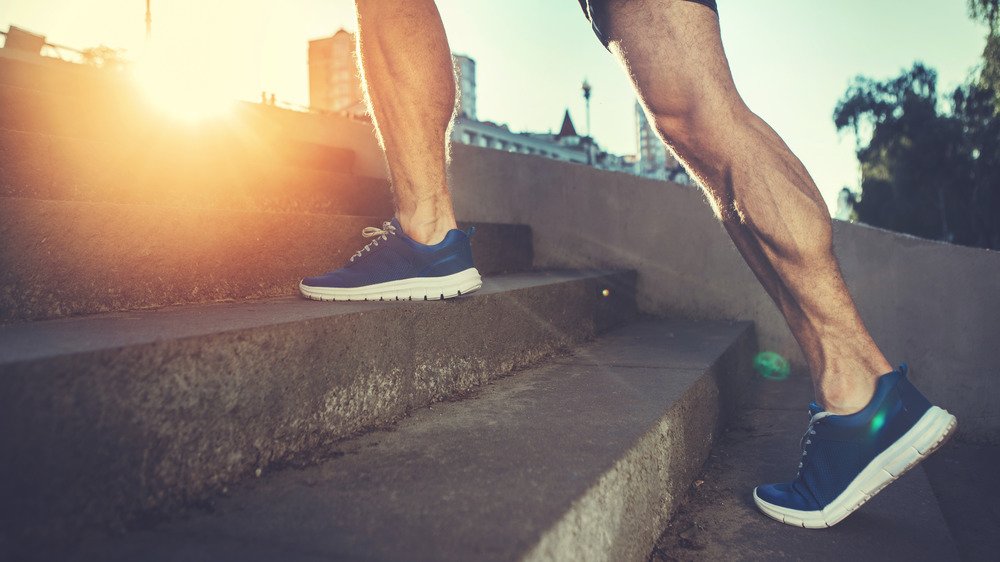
(400, 257)
(844, 445)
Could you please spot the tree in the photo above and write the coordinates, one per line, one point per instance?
(931, 167)
(988, 11)
(911, 161)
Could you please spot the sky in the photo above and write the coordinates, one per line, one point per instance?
(792, 60)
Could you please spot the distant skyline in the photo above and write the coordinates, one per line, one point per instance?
(792, 60)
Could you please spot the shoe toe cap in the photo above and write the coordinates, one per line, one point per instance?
(771, 493)
(785, 495)
(331, 279)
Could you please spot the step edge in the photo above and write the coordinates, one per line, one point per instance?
(570, 538)
(190, 483)
(10, 358)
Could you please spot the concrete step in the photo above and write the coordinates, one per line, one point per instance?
(64, 258)
(719, 520)
(963, 476)
(106, 418)
(80, 134)
(117, 112)
(69, 102)
(56, 76)
(575, 460)
(222, 167)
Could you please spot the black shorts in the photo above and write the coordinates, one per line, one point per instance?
(597, 12)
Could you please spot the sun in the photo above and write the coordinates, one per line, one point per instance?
(182, 84)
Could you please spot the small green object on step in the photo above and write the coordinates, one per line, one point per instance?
(771, 365)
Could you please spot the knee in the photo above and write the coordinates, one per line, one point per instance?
(691, 120)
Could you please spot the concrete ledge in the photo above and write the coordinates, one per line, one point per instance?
(930, 304)
(223, 167)
(569, 461)
(63, 258)
(108, 417)
(115, 111)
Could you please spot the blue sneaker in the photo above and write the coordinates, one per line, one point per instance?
(393, 266)
(848, 459)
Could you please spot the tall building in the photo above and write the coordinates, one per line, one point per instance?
(466, 67)
(845, 204)
(652, 154)
(654, 160)
(334, 83)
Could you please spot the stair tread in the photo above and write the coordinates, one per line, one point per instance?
(64, 336)
(74, 257)
(182, 171)
(483, 478)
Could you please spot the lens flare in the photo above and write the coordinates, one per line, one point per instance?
(771, 365)
(877, 422)
(606, 292)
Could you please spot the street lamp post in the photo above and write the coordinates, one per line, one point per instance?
(590, 140)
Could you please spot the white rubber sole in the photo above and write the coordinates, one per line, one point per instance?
(926, 436)
(415, 288)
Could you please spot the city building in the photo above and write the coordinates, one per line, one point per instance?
(334, 83)
(654, 160)
(335, 86)
(499, 137)
(845, 205)
(466, 70)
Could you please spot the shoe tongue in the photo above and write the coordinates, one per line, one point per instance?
(399, 229)
(814, 409)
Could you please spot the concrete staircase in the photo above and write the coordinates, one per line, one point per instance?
(166, 395)
(578, 459)
(155, 358)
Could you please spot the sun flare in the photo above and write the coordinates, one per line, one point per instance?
(182, 85)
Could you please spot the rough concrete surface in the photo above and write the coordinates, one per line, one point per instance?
(64, 258)
(964, 479)
(567, 461)
(106, 418)
(719, 521)
(930, 304)
(193, 168)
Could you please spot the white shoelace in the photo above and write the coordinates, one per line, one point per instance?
(376, 233)
(806, 441)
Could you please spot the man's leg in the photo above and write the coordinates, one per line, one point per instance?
(871, 425)
(766, 200)
(410, 84)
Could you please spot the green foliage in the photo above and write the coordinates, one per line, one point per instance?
(929, 167)
(986, 10)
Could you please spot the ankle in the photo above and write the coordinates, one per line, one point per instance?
(426, 229)
(847, 374)
(846, 399)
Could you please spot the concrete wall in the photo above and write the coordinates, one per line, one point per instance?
(932, 305)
